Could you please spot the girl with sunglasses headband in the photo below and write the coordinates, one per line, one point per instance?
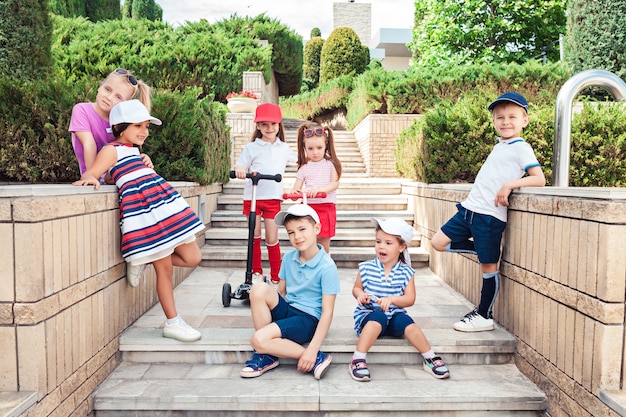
(89, 124)
(319, 170)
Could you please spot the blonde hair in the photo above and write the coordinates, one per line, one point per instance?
(329, 152)
(142, 92)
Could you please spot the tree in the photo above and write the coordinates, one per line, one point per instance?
(25, 32)
(474, 30)
(343, 54)
(103, 10)
(143, 9)
(596, 36)
(311, 66)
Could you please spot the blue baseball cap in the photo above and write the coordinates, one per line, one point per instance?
(510, 97)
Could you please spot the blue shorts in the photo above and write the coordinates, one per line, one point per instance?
(485, 230)
(294, 324)
(394, 326)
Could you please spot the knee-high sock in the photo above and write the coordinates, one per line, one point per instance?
(256, 256)
(491, 285)
(273, 253)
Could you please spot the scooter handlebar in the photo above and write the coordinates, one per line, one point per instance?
(296, 196)
(255, 176)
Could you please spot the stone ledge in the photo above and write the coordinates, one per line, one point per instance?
(15, 404)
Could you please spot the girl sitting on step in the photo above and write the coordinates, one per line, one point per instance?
(384, 286)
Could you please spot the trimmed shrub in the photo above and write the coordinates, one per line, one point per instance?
(343, 54)
(25, 31)
(311, 67)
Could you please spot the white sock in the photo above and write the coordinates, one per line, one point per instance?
(172, 320)
(429, 355)
(358, 355)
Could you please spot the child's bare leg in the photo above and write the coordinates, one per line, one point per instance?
(368, 336)
(187, 255)
(325, 242)
(164, 270)
(439, 241)
(271, 231)
(269, 340)
(416, 337)
(263, 299)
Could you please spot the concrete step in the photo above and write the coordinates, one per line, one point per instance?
(163, 377)
(393, 202)
(146, 390)
(348, 186)
(344, 237)
(235, 256)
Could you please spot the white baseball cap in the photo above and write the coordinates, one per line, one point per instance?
(397, 227)
(297, 210)
(131, 111)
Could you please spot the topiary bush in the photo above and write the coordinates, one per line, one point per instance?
(311, 66)
(343, 54)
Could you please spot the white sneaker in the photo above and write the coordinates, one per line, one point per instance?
(256, 277)
(134, 273)
(181, 331)
(473, 322)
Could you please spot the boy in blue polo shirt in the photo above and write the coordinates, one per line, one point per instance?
(300, 311)
(482, 216)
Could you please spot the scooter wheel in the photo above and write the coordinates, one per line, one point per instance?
(226, 294)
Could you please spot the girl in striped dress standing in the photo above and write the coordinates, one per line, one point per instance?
(319, 170)
(158, 227)
(384, 287)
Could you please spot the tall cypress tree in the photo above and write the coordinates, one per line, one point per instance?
(103, 10)
(596, 35)
(25, 32)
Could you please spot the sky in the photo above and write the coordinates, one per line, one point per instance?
(301, 16)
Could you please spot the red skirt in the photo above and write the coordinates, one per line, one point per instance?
(328, 218)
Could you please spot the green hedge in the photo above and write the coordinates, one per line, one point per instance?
(450, 143)
(35, 147)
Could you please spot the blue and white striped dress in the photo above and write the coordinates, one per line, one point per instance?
(376, 283)
(154, 217)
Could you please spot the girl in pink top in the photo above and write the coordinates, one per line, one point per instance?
(89, 124)
(319, 170)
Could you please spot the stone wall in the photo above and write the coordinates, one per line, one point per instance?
(64, 300)
(376, 136)
(563, 283)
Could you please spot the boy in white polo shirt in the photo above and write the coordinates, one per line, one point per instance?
(482, 216)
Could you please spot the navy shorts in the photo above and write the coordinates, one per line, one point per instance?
(294, 324)
(485, 230)
(394, 326)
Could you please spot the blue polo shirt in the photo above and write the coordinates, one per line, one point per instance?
(306, 283)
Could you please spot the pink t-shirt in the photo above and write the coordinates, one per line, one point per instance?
(85, 119)
(316, 175)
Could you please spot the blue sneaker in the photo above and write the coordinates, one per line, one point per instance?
(258, 365)
(321, 364)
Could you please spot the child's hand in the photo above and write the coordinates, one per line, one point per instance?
(241, 173)
(307, 360)
(88, 181)
(502, 198)
(146, 160)
(384, 303)
(363, 298)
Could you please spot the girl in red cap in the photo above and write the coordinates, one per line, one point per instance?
(268, 154)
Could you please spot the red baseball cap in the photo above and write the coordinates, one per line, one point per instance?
(268, 112)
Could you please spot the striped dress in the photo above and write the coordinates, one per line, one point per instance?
(154, 217)
(376, 283)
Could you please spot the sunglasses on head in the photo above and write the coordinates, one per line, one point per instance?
(318, 131)
(131, 77)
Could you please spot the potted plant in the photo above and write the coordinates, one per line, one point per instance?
(241, 102)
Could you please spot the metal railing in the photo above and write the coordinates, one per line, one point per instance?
(563, 117)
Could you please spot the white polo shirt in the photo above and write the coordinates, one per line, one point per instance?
(509, 160)
(269, 159)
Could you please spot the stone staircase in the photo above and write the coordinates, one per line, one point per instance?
(162, 377)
